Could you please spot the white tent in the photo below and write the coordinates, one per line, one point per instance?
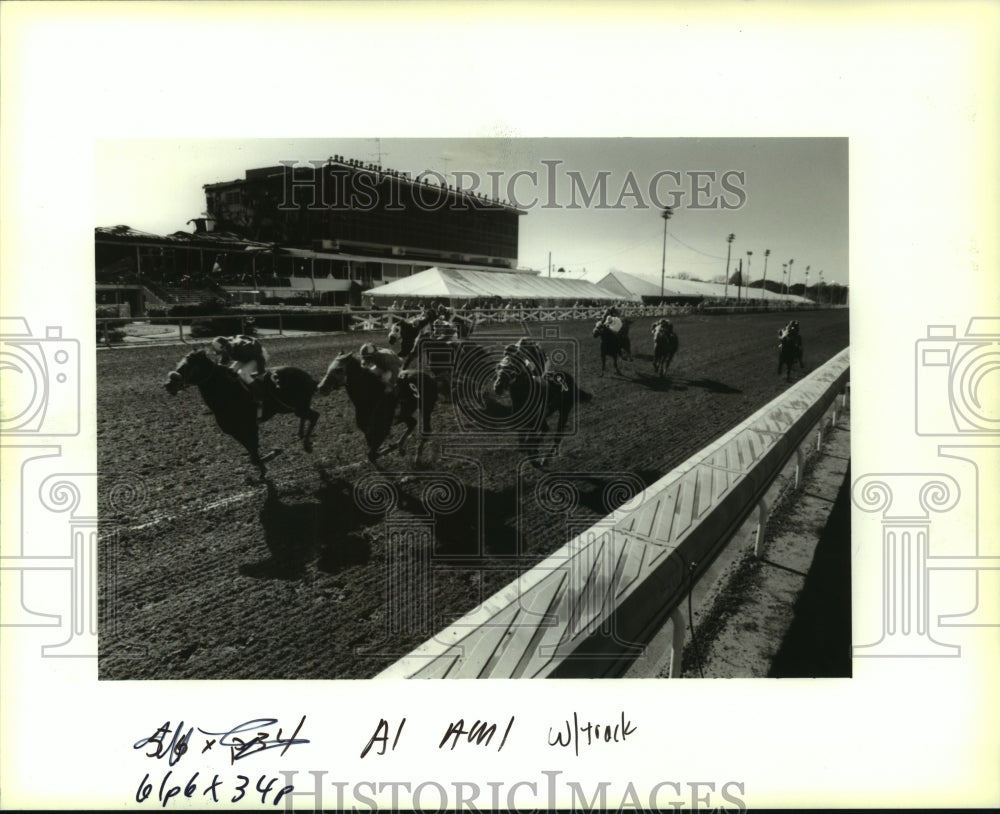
(629, 286)
(447, 283)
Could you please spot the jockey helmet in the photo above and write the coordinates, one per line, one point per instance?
(220, 344)
(367, 350)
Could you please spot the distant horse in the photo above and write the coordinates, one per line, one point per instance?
(535, 397)
(665, 344)
(461, 326)
(616, 345)
(406, 331)
(287, 390)
(789, 349)
(375, 411)
(451, 360)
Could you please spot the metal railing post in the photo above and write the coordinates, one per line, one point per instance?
(677, 642)
(762, 514)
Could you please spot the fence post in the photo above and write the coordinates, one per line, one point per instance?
(799, 461)
(180, 329)
(761, 524)
(281, 329)
(677, 642)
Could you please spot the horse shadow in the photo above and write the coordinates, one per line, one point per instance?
(327, 528)
(485, 524)
(670, 382)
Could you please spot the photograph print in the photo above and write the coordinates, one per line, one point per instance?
(473, 408)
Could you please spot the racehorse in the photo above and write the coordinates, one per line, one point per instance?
(535, 396)
(286, 390)
(462, 326)
(375, 411)
(406, 331)
(665, 345)
(442, 357)
(789, 349)
(616, 345)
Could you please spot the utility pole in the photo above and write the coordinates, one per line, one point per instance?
(550, 265)
(763, 285)
(666, 214)
(729, 250)
(739, 282)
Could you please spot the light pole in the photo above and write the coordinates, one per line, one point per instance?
(666, 214)
(763, 284)
(805, 291)
(729, 249)
(784, 274)
(790, 275)
(822, 288)
(749, 277)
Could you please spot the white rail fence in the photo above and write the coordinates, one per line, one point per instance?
(589, 609)
(354, 319)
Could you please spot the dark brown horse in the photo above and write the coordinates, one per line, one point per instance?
(404, 332)
(286, 390)
(616, 345)
(789, 349)
(535, 397)
(375, 410)
(665, 345)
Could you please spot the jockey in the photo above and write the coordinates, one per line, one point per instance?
(384, 362)
(246, 357)
(612, 320)
(666, 324)
(535, 360)
(791, 330)
(442, 328)
(243, 354)
(532, 355)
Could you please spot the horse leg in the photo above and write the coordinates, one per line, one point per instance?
(411, 425)
(252, 445)
(373, 446)
(305, 432)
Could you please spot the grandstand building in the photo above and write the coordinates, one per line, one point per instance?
(317, 233)
(344, 205)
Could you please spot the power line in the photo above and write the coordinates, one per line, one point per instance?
(696, 251)
(593, 260)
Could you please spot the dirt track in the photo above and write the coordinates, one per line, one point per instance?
(216, 575)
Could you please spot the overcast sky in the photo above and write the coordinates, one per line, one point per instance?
(595, 204)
